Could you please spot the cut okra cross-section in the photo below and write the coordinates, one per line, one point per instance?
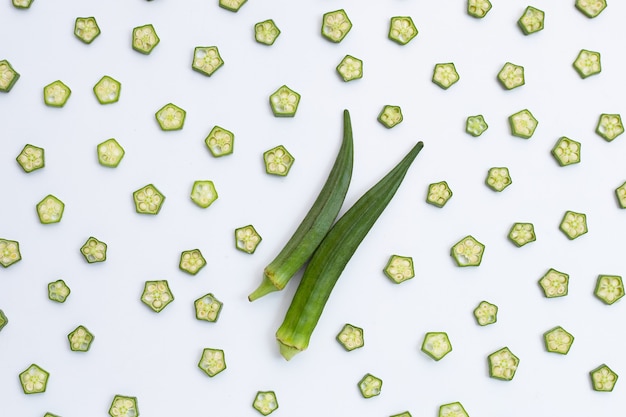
(247, 239)
(31, 158)
(157, 295)
(351, 337)
(220, 141)
(591, 8)
(587, 63)
(554, 283)
(9, 252)
(498, 178)
(609, 126)
(107, 90)
(148, 200)
(212, 361)
(370, 386)
(620, 193)
(124, 406)
(86, 29)
(438, 194)
(486, 313)
(50, 210)
(94, 250)
(110, 153)
(603, 378)
(390, 116)
(265, 402)
(399, 268)
(445, 75)
(208, 308)
(206, 60)
(278, 161)
(531, 20)
(452, 410)
(231, 5)
(336, 25)
(145, 39)
(3, 320)
(22, 4)
(350, 68)
(80, 339)
(266, 32)
(171, 117)
(402, 29)
(522, 233)
(8, 76)
(56, 94)
(511, 76)
(566, 151)
(503, 364)
(58, 291)
(203, 193)
(573, 224)
(609, 288)
(523, 124)
(476, 125)
(284, 102)
(468, 252)
(478, 8)
(34, 379)
(436, 345)
(558, 340)
(191, 261)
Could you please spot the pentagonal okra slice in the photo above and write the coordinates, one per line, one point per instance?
(609, 288)
(351, 337)
(231, 5)
(208, 308)
(478, 8)
(124, 406)
(350, 68)
(370, 386)
(558, 340)
(452, 410)
(110, 153)
(94, 250)
(58, 291)
(107, 90)
(522, 233)
(212, 361)
(3, 320)
(266, 32)
(511, 76)
(498, 178)
(620, 193)
(566, 151)
(22, 4)
(476, 125)
(554, 283)
(265, 402)
(390, 116)
(438, 194)
(171, 117)
(503, 364)
(587, 63)
(399, 268)
(8, 76)
(402, 29)
(31, 158)
(34, 379)
(523, 124)
(80, 339)
(278, 161)
(609, 126)
(206, 60)
(191, 261)
(56, 94)
(203, 193)
(50, 209)
(50, 415)
(220, 141)
(436, 345)
(86, 29)
(591, 8)
(9, 252)
(445, 75)
(468, 252)
(532, 20)
(404, 414)
(573, 224)
(603, 378)
(284, 102)
(148, 200)
(247, 238)
(144, 39)
(336, 25)
(157, 295)
(486, 313)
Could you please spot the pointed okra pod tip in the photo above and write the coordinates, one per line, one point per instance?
(267, 286)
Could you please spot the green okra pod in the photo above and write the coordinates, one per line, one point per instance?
(331, 257)
(315, 224)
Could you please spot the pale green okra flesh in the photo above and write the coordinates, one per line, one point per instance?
(603, 378)
(390, 116)
(31, 158)
(145, 39)
(124, 406)
(336, 25)
(157, 295)
(503, 364)
(86, 29)
(370, 386)
(8, 76)
(402, 29)
(58, 291)
(34, 379)
(265, 402)
(350, 68)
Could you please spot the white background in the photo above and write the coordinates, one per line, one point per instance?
(154, 357)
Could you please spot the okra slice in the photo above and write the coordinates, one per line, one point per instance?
(34, 379)
(591, 8)
(107, 90)
(170, 117)
(247, 239)
(124, 406)
(212, 361)
(486, 313)
(265, 402)
(8, 76)
(50, 415)
(554, 283)
(145, 39)
(110, 153)
(402, 29)
(438, 194)
(80, 339)
(620, 193)
(399, 268)
(436, 345)
(445, 75)
(503, 364)
(148, 200)
(284, 102)
(86, 29)
(404, 414)
(478, 8)
(157, 295)
(609, 126)
(531, 20)
(191, 261)
(231, 5)
(9, 252)
(498, 178)
(56, 94)
(3, 320)
(609, 288)
(206, 60)
(370, 386)
(574, 224)
(336, 25)
(566, 151)
(476, 125)
(58, 291)
(50, 209)
(203, 193)
(452, 410)
(31, 158)
(511, 76)
(208, 308)
(350, 68)
(22, 4)
(278, 161)
(351, 337)
(603, 378)
(266, 32)
(468, 252)
(523, 124)
(522, 233)
(587, 63)
(94, 250)
(390, 116)
(558, 340)
(220, 141)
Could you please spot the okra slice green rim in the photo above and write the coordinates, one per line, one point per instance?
(56, 94)
(86, 29)
(94, 250)
(498, 178)
(110, 153)
(390, 116)
(351, 337)
(107, 90)
(50, 209)
(603, 378)
(573, 224)
(566, 151)
(284, 102)
(22, 4)
(591, 8)
(157, 295)
(80, 339)
(486, 313)
(609, 126)
(123, 405)
(558, 340)
(436, 345)
(476, 125)
(478, 8)
(3, 320)
(247, 239)
(399, 268)
(206, 60)
(532, 20)
(170, 117)
(402, 29)
(266, 32)
(332, 256)
(403, 414)
(8, 76)
(220, 141)
(191, 261)
(438, 194)
(58, 291)
(148, 200)
(350, 68)
(554, 283)
(609, 288)
(232, 5)
(336, 25)
(208, 308)
(620, 194)
(203, 193)
(587, 63)
(316, 223)
(34, 379)
(445, 75)
(9, 252)
(522, 234)
(454, 409)
(370, 386)
(212, 361)
(468, 252)
(31, 158)
(278, 161)
(511, 76)
(144, 39)
(503, 364)
(523, 124)
(265, 402)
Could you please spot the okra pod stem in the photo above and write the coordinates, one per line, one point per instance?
(331, 257)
